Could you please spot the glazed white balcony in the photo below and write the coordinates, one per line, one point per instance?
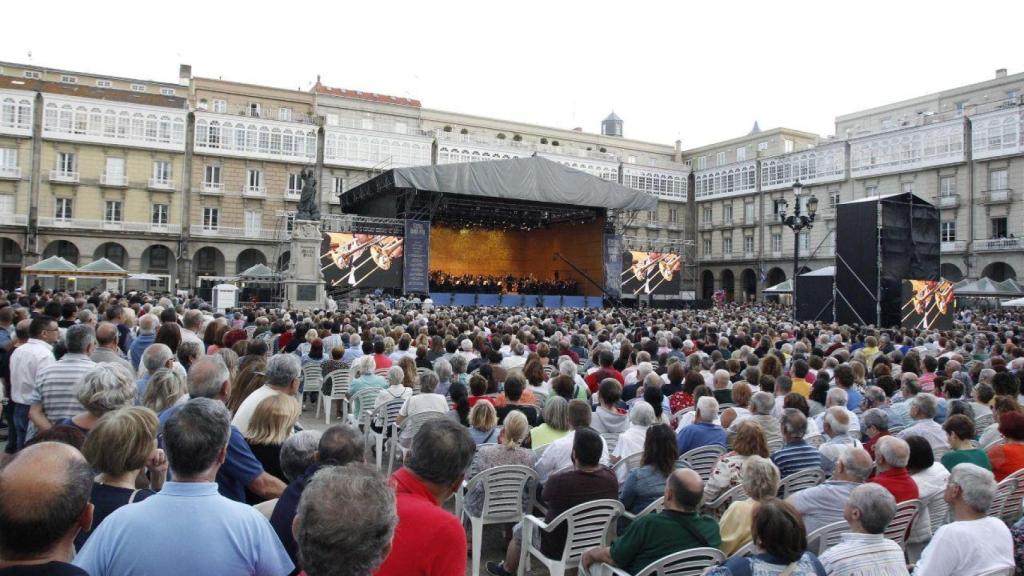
(726, 181)
(161, 184)
(64, 177)
(114, 123)
(998, 133)
(261, 138)
(16, 112)
(118, 180)
(345, 146)
(815, 166)
(907, 150)
(665, 184)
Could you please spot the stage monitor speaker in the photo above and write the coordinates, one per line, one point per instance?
(814, 301)
(880, 242)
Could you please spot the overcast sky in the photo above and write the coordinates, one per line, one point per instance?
(700, 72)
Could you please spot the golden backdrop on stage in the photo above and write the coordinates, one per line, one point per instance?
(521, 253)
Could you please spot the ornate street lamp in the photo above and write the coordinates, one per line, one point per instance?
(797, 222)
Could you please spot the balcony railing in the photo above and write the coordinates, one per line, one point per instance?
(726, 255)
(749, 254)
(161, 184)
(110, 225)
(14, 219)
(726, 222)
(998, 244)
(776, 253)
(950, 201)
(230, 232)
(998, 196)
(292, 195)
(707, 225)
(119, 180)
(255, 191)
(954, 246)
(216, 188)
(64, 176)
(12, 172)
(750, 221)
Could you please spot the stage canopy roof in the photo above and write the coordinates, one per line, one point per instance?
(258, 272)
(533, 179)
(102, 268)
(786, 287)
(52, 266)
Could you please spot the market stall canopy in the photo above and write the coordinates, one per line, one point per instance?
(102, 268)
(986, 288)
(258, 272)
(1011, 284)
(1015, 303)
(781, 288)
(52, 266)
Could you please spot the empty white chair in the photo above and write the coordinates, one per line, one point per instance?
(901, 524)
(503, 487)
(338, 382)
(703, 460)
(385, 417)
(312, 378)
(588, 525)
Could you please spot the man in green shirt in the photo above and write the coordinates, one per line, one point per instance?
(652, 537)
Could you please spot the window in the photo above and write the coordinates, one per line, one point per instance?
(332, 119)
(999, 227)
(652, 215)
(104, 84)
(776, 242)
(707, 247)
(339, 186)
(777, 206)
(741, 154)
(294, 184)
(871, 190)
(787, 146)
(32, 74)
(367, 124)
(212, 176)
(749, 212)
(160, 215)
(907, 187)
(834, 198)
(211, 218)
(805, 242)
(68, 79)
(253, 223)
(998, 179)
(220, 106)
(727, 213)
(167, 91)
(8, 158)
(702, 163)
(138, 87)
(727, 245)
(947, 186)
(673, 215)
(254, 180)
(64, 209)
(161, 172)
(948, 231)
(1012, 96)
(720, 159)
(960, 107)
(159, 257)
(748, 244)
(113, 173)
(284, 114)
(254, 109)
(707, 215)
(762, 146)
(66, 162)
(112, 213)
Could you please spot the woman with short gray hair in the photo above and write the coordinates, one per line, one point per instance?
(105, 388)
(556, 423)
(760, 479)
(443, 369)
(165, 388)
(396, 390)
(641, 417)
(426, 401)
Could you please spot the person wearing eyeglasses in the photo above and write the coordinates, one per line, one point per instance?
(26, 363)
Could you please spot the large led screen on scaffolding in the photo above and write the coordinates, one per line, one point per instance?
(928, 304)
(650, 273)
(355, 260)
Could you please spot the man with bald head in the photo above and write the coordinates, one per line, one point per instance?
(106, 347)
(823, 504)
(891, 457)
(722, 390)
(44, 503)
(676, 528)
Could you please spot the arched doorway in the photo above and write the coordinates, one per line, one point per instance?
(160, 261)
(62, 248)
(208, 261)
(283, 261)
(748, 281)
(951, 272)
(729, 284)
(999, 271)
(112, 251)
(248, 258)
(10, 264)
(707, 285)
(776, 276)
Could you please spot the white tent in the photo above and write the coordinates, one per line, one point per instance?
(1015, 303)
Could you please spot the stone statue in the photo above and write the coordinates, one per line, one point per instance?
(309, 208)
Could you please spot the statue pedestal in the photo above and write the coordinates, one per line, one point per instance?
(304, 284)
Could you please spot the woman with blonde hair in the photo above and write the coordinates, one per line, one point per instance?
(119, 448)
(104, 388)
(303, 348)
(511, 449)
(749, 441)
(272, 423)
(760, 479)
(164, 389)
(483, 421)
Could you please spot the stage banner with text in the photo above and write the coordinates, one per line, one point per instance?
(613, 264)
(417, 257)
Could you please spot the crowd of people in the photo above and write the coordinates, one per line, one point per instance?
(151, 435)
(487, 284)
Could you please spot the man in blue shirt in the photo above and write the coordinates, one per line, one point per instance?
(147, 335)
(703, 431)
(795, 455)
(187, 528)
(209, 378)
(353, 351)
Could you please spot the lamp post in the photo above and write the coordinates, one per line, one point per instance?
(797, 222)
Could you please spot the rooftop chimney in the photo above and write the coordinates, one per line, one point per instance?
(679, 145)
(1001, 73)
(184, 74)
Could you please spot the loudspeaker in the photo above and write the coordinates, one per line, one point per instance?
(814, 300)
(880, 242)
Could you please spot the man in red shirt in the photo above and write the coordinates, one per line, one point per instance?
(891, 457)
(430, 541)
(605, 360)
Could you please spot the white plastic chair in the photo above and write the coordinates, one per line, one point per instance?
(998, 505)
(656, 506)
(611, 439)
(360, 406)
(588, 525)
(938, 510)
(402, 441)
(703, 459)
(802, 480)
(503, 488)
(312, 379)
(1012, 506)
(692, 562)
(826, 537)
(901, 524)
(718, 506)
(984, 421)
(384, 416)
(747, 549)
(627, 463)
(817, 440)
(540, 399)
(339, 382)
(382, 372)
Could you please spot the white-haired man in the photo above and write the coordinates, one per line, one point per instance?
(837, 429)
(722, 387)
(823, 504)
(865, 550)
(974, 543)
(922, 411)
(838, 397)
(703, 431)
(148, 325)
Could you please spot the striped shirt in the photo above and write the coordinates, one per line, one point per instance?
(56, 384)
(796, 456)
(864, 555)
